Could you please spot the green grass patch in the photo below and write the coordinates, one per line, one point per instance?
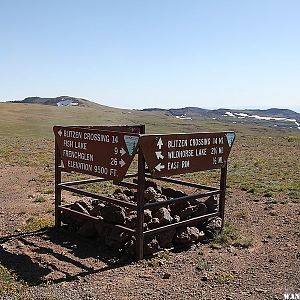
(39, 199)
(230, 235)
(35, 223)
(9, 284)
(244, 213)
(160, 259)
(269, 194)
(203, 265)
(224, 277)
(294, 195)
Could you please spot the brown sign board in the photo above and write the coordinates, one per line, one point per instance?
(102, 153)
(174, 154)
(121, 128)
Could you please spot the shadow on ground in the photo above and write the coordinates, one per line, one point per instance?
(39, 256)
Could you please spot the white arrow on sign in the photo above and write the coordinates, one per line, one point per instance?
(122, 163)
(60, 132)
(159, 155)
(159, 143)
(159, 167)
(122, 151)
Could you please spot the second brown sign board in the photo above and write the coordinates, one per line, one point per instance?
(102, 153)
(185, 153)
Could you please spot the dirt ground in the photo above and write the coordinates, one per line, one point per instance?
(60, 265)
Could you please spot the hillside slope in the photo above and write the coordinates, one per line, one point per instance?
(58, 101)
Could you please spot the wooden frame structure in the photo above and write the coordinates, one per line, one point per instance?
(139, 185)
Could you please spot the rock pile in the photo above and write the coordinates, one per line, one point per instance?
(119, 240)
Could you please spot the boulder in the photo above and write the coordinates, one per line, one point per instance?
(130, 221)
(171, 193)
(186, 236)
(164, 216)
(151, 246)
(147, 215)
(165, 238)
(150, 193)
(211, 203)
(154, 223)
(113, 214)
(199, 210)
(87, 230)
(185, 213)
(157, 199)
(118, 194)
(96, 210)
(213, 227)
(176, 219)
(80, 206)
(116, 238)
(128, 193)
(129, 246)
(178, 207)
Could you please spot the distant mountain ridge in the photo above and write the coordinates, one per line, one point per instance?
(272, 117)
(201, 112)
(57, 101)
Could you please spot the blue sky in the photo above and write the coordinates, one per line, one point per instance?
(137, 54)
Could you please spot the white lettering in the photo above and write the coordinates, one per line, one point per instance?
(177, 143)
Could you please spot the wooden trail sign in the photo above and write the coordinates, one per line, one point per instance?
(174, 154)
(102, 153)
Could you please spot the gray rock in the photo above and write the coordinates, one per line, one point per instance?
(128, 193)
(151, 246)
(121, 196)
(129, 246)
(157, 199)
(165, 238)
(176, 219)
(188, 235)
(154, 223)
(185, 213)
(116, 238)
(178, 207)
(171, 193)
(164, 216)
(96, 210)
(113, 214)
(199, 210)
(80, 207)
(130, 221)
(213, 227)
(87, 230)
(150, 193)
(212, 203)
(147, 215)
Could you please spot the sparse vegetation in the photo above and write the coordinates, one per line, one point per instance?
(269, 194)
(202, 264)
(160, 259)
(224, 277)
(244, 213)
(36, 223)
(230, 236)
(9, 284)
(39, 199)
(263, 162)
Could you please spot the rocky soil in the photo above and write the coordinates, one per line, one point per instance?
(262, 261)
